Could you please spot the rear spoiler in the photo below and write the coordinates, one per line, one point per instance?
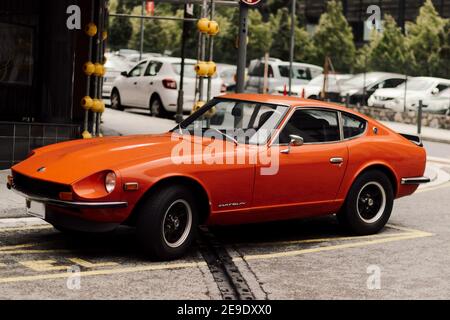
(413, 138)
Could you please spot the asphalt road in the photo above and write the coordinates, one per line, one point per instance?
(304, 259)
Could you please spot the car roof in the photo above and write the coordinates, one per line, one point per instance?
(289, 101)
(169, 60)
(432, 78)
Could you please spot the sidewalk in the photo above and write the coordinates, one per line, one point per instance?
(428, 134)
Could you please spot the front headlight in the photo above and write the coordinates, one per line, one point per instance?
(110, 182)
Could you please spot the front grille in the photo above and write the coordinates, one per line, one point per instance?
(38, 187)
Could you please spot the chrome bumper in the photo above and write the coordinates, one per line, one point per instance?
(72, 204)
(415, 180)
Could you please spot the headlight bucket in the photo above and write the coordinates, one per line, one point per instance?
(110, 181)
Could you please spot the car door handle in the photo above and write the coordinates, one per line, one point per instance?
(150, 83)
(135, 83)
(336, 160)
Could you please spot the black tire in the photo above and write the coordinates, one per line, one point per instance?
(158, 232)
(157, 108)
(115, 100)
(368, 205)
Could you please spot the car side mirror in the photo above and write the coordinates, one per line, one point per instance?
(124, 73)
(435, 91)
(296, 141)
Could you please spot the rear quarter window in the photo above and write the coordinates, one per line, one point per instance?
(352, 126)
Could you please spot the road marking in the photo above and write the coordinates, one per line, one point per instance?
(88, 264)
(443, 185)
(408, 236)
(37, 227)
(4, 252)
(25, 245)
(106, 272)
(42, 265)
(288, 242)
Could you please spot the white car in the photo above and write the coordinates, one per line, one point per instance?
(315, 86)
(438, 103)
(415, 89)
(153, 84)
(114, 66)
(278, 74)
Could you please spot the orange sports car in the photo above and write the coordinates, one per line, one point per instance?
(242, 158)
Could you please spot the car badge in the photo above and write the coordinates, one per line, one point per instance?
(41, 169)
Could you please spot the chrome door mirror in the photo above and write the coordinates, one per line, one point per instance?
(296, 141)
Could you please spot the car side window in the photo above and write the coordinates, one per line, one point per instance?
(137, 70)
(394, 82)
(314, 126)
(442, 87)
(153, 68)
(352, 126)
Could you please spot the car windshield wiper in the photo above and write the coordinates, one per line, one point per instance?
(226, 136)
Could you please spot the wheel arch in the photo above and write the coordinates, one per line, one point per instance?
(384, 168)
(200, 194)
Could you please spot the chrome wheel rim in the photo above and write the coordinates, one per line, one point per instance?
(177, 223)
(371, 202)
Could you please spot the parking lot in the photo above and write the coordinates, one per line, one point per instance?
(297, 259)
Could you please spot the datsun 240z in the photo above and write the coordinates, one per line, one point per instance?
(281, 158)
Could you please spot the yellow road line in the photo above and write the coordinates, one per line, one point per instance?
(4, 252)
(24, 245)
(288, 242)
(36, 227)
(407, 229)
(105, 272)
(335, 247)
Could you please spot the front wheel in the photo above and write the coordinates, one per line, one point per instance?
(369, 203)
(167, 222)
(115, 101)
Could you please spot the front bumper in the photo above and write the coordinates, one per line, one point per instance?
(71, 204)
(415, 180)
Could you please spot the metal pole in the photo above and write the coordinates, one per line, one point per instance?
(404, 94)
(211, 51)
(202, 52)
(141, 44)
(291, 51)
(419, 117)
(242, 47)
(180, 100)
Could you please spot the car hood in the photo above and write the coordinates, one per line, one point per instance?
(71, 161)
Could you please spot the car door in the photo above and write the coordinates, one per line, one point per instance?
(129, 87)
(146, 84)
(309, 175)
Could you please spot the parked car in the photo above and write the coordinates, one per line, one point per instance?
(136, 57)
(363, 85)
(278, 74)
(227, 73)
(114, 67)
(153, 84)
(326, 159)
(124, 53)
(313, 89)
(415, 89)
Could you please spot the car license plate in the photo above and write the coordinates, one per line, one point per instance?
(36, 209)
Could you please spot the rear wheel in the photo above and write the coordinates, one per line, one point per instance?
(167, 222)
(115, 100)
(156, 107)
(369, 203)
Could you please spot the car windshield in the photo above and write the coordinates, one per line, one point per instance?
(297, 72)
(417, 84)
(237, 121)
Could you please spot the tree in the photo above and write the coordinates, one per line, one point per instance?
(282, 25)
(334, 38)
(425, 37)
(260, 35)
(120, 30)
(389, 51)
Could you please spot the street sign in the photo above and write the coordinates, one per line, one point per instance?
(251, 2)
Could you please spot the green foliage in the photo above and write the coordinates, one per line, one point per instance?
(120, 30)
(389, 51)
(334, 38)
(425, 37)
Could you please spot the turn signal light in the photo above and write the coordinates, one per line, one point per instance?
(169, 84)
(66, 196)
(131, 186)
